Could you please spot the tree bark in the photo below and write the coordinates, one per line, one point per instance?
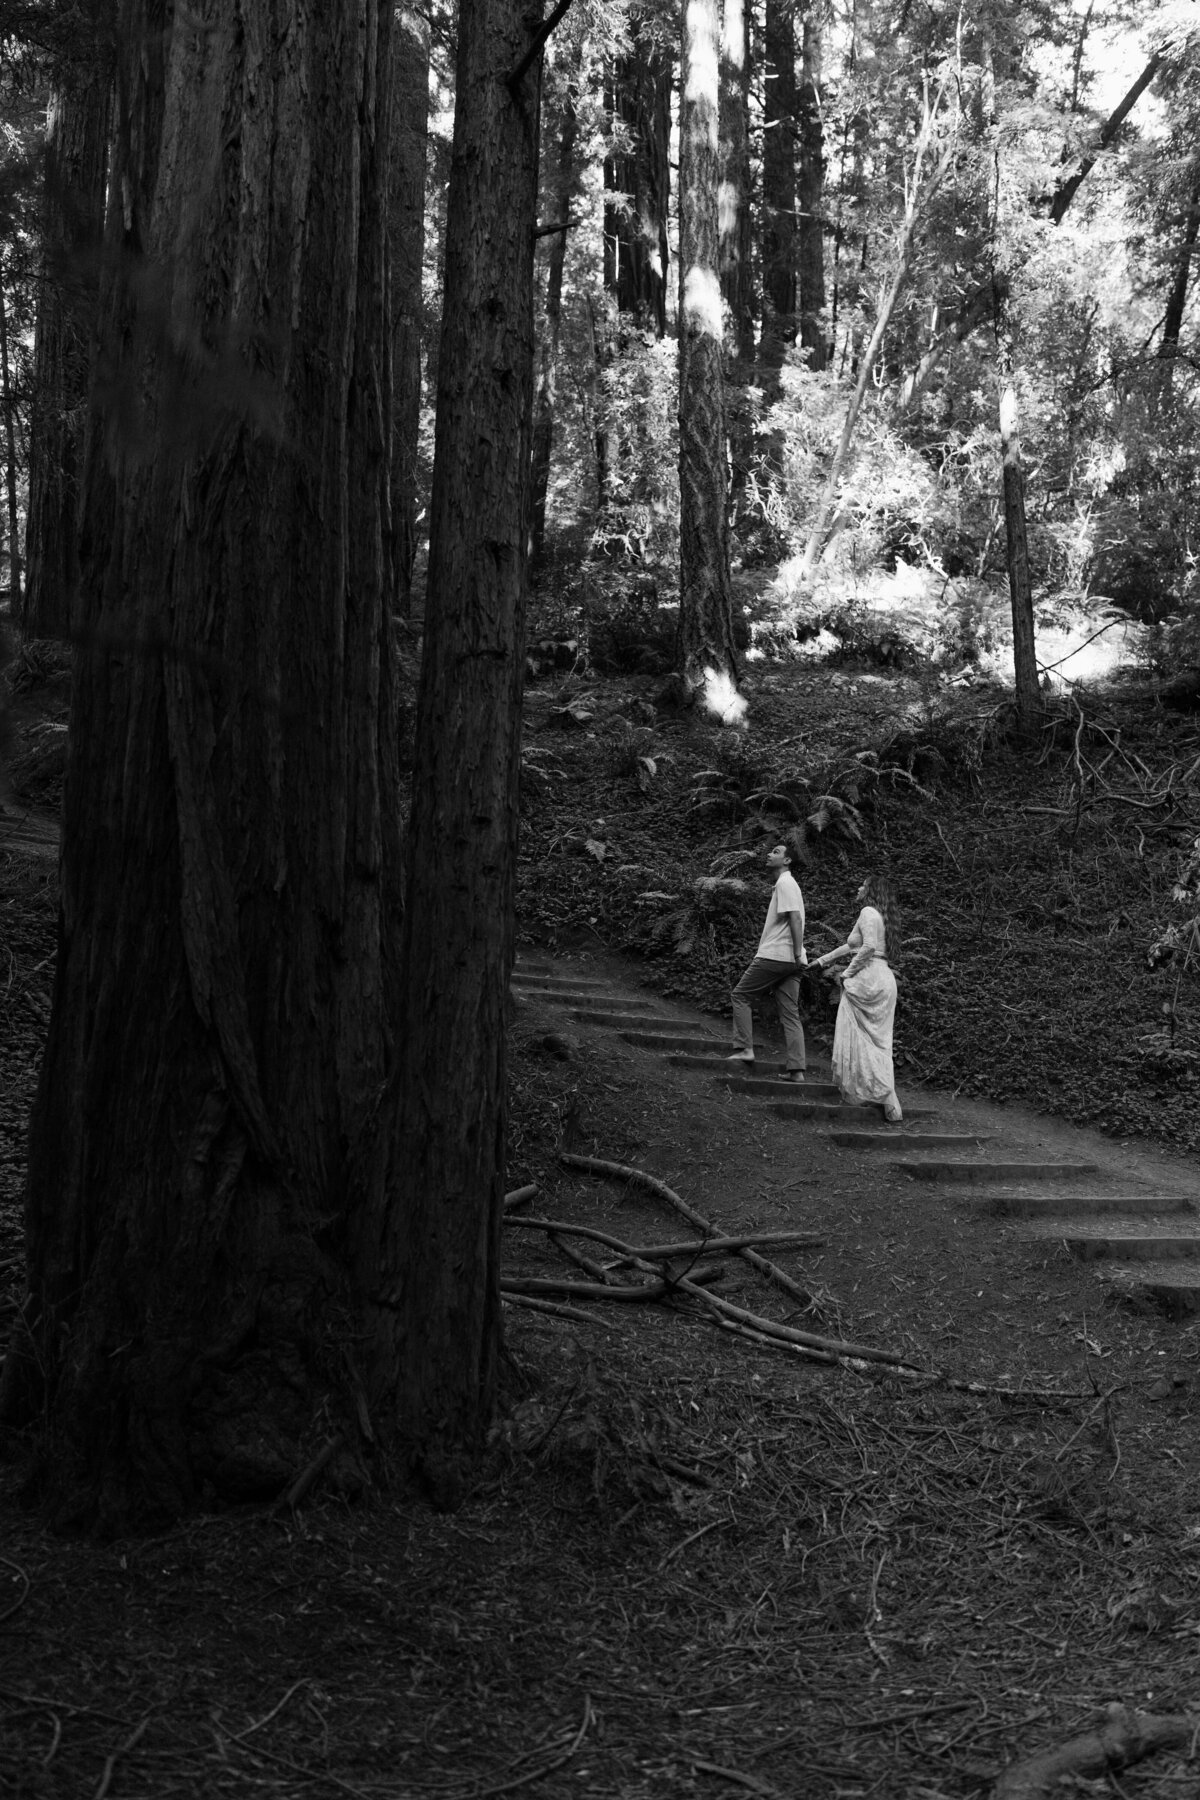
(225, 994)
(10, 444)
(559, 197)
(810, 228)
(705, 654)
(434, 1332)
(1067, 189)
(779, 186)
(406, 233)
(79, 119)
(637, 182)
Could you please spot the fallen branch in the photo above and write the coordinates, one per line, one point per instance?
(555, 1311)
(655, 1252)
(520, 1196)
(596, 1165)
(585, 1290)
(1126, 1737)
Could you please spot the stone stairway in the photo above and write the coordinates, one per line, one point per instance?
(1144, 1241)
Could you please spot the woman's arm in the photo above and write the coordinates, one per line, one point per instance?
(832, 955)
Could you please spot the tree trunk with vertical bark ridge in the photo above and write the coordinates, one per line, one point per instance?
(225, 997)
(434, 1333)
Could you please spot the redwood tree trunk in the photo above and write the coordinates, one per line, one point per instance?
(406, 221)
(779, 185)
(705, 652)
(1168, 348)
(435, 1333)
(225, 993)
(72, 223)
(637, 182)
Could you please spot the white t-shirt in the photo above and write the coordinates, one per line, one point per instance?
(775, 944)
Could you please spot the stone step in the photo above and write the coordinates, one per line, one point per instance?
(938, 1168)
(1174, 1287)
(843, 1110)
(762, 1065)
(811, 1088)
(647, 1021)
(663, 1040)
(896, 1135)
(562, 984)
(1117, 1239)
(1035, 1206)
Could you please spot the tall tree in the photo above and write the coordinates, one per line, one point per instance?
(637, 180)
(1020, 582)
(432, 1264)
(737, 273)
(779, 183)
(705, 654)
(810, 223)
(225, 995)
(406, 223)
(76, 169)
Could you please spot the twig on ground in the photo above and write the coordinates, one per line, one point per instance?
(21, 1598)
(309, 1475)
(520, 1196)
(653, 1252)
(111, 1761)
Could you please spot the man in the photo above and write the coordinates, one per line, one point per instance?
(775, 968)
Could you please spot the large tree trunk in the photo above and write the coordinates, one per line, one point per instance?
(810, 225)
(705, 652)
(225, 993)
(779, 185)
(435, 1332)
(559, 196)
(406, 232)
(72, 223)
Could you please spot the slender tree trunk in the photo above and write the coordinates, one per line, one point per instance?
(737, 273)
(406, 234)
(779, 185)
(811, 195)
(920, 191)
(10, 443)
(225, 992)
(1168, 348)
(560, 194)
(79, 120)
(704, 649)
(1020, 585)
(435, 1335)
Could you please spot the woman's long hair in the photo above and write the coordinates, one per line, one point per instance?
(881, 895)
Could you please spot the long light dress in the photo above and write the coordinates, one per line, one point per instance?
(862, 1036)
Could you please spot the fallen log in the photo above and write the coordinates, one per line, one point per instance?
(556, 1311)
(1126, 1736)
(596, 1165)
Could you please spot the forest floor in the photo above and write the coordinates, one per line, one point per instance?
(695, 1565)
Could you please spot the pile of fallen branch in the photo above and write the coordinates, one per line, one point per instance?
(682, 1272)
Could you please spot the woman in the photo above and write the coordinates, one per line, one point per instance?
(862, 1038)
